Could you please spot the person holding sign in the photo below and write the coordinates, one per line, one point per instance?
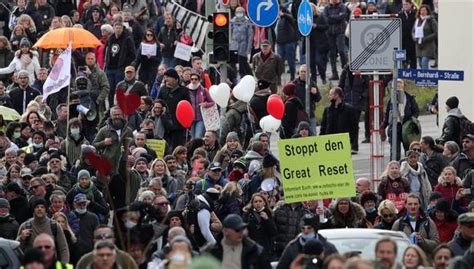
(148, 58)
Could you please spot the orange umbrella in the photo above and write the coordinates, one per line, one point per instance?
(60, 38)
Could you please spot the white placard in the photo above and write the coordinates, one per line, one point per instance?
(210, 116)
(182, 51)
(149, 49)
(419, 32)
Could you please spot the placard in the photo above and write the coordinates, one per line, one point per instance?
(317, 167)
(182, 51)
(149, 49)
(211, 119)
(158, 145)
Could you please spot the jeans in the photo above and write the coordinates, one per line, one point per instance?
(114, 77)
(337, 43)
(197, 129)
(169, 61)
(287, 52)
(424, 62)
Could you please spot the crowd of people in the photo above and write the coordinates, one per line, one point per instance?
(90, 189)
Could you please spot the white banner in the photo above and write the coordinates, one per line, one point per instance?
(210, 116)
(60, 75)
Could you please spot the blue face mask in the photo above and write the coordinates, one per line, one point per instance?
(307, 237)
(40, 145)
(370, 210)
(75, 132)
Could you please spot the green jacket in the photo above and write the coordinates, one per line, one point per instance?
(233, 116)
(99, 84)
(114, 151)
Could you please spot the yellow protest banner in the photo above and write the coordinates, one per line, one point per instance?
(158, 145)
(316, 167)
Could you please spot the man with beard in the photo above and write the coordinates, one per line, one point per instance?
(386, 254)
(130, 84)
(55, 166)
(171, 163)
(268, 66)
(339, 117)
(210, 144)
(112, 136)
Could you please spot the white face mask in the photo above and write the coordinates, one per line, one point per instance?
(193, 86)
(130, 224)
(239, 15)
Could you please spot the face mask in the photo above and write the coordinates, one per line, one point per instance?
(333, 102)
(40, 145)
(258, 210)
(370, 210)
(130, 224)
(193, 87)
(307, 237)
(81, 211)
(75, 132)
(16, 135)
(239, 15)
(3, 218)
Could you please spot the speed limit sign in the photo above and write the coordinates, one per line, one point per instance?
(372, 43)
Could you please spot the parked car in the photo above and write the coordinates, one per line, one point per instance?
(363, 240)
(10, 254)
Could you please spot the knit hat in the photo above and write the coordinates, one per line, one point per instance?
(86, 149)
(313, 247)
(310, 220)
(4, 203)
(232, 136)
(289, 89)
(435, 196)
(83, 173)
(40, 170)
(29, 158)
(171, 73)
(25, 43)
(269, 161)
(141, 159)
(241, 162)
(303, 125)
(23, 73)
(37, 201)
(452, 102)
(367, 196)
(263, 84)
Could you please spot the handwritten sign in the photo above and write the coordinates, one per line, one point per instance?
(149, 49)
(211, 118)
(183, 51)
(158, 145)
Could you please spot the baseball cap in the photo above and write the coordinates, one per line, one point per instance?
(265, 43)
(234, 222)
(129, 69)
(214, 166)
(25, 172)
(80, 197)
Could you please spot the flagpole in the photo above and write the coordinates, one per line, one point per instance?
(68, 103)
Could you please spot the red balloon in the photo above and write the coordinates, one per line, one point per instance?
(275, 106)
(185, 113)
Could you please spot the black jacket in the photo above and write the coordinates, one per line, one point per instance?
(286, 28)
(9, 227)
(16, 97)
(411, 110)
(88, 222)
(19, 208)
(126, 50)
(260, 230)
(253, 255)
(318, 38)
(301, 93)
(287, 221)
(408, 20)
(339, 120)
(356, 89)
(337, 15)
(290, 118)
(167, 37)
(172, 97)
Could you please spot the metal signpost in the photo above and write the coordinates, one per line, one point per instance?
(305, 24)
(398, 57)
(372, 42)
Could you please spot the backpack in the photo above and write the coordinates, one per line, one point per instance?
(192, 209)
(465, 127)
(54, 231)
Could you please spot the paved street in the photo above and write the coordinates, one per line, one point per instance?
(361, 161)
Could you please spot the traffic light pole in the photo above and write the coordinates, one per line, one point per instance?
(308, 77)
(223, 70)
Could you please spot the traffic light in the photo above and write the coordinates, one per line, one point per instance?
(221, 36)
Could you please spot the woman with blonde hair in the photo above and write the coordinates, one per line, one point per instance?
(449, 184)
(71, 238)
(17, 35)
(387, 215)
(29, 25)
(414, 257)
(159, 169)
(181, 155)
(66, 20)
(25, 59)
(393, 186)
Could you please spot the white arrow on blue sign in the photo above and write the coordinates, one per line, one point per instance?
(263, 13)
(305, 18)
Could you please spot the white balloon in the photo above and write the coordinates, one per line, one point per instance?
(245, 89)
(269, 124)
(220, 94)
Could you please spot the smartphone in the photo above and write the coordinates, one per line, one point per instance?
(82, 69)
(467, 191)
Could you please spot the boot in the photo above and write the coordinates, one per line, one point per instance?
(334, 76)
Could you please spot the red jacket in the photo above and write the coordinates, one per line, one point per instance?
(445, 229)
(449, 191)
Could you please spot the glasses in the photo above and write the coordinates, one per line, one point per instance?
(149, 34)
(387, 215)
(416, 149)
(103, 236)
(23, 78)
(162, 204)
(54, 161)
(44, 247)
(194, 79)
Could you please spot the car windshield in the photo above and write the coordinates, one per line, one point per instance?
(365, 246)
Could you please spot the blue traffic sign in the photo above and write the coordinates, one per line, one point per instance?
(305, 18)
(426, 83)
(400, 55)
(428, 74)
(263, 13)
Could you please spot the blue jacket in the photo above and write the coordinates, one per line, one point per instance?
(208, 182)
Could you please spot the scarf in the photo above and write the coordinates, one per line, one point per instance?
(25, 60)
(87, 191)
